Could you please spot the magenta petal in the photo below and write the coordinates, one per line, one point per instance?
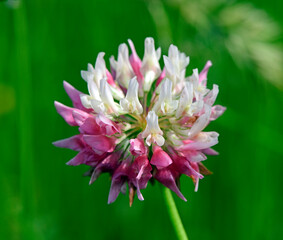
(80, 116)
(74, 95)
(137, 147)
(161, 77)
(135, 62)
(66, 113)
(210, 151)
(204, 71)
(118, 179)
(109, 164)
(166, 177)
(107, 126)
(110, 80)
(140, 173)
(92, 159)
(100, 142)
(183, 166)
(77, 160)
(115, 189)
(90, 127)
(160, 158)
(74, 143)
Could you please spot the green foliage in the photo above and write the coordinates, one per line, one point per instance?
(44, 42)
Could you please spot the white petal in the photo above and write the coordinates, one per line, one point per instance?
(93, 90)
(168, 64)
(148, 140)
(211, 96)
(117, 93)
(90, 68)
(152, 128)
(159, 140)
(150, 63)
(85, 100)
(158, 53)
(97, 106)
(87, 76)
(124, 70)
(113, 63)
(201, 122)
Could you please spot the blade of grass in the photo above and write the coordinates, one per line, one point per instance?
(24, 95)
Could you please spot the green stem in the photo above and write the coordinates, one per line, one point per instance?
(174, 215)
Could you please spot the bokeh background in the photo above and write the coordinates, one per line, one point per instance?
(43, 43)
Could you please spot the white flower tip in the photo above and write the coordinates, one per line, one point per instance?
(168, 64)
(123, 51)
(90, 67)
(84, 75)
(158, 53)
(113, 63)
(100, 63)
(149, 47)
(195, 71)
(131, 103)
(101, 55)
(173, 51)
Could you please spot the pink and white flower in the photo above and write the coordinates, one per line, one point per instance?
(139, 123)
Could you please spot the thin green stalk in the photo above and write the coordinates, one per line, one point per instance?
(174, 215)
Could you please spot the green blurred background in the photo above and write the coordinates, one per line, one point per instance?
(43, 43)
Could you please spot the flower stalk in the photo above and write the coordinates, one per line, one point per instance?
(174, 215)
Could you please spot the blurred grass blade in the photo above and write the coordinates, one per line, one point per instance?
(25, 121)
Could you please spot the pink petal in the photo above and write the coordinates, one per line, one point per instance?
(135, 62)
(115, 189)
(118, 180)
(77, 160)
(140, 173)
(137, 147)
(161, 77)
(166, 177)
(80, 116)
(183, 166)
(107, 126)
(74, 143)
(204, 71)
(100, 142)
(109, 164)
(206, 140)
(160, 158)
(210, 151)
(90, 127)
(74, 95)
(110, 79)
(194, 156)
(216, 112)
(66, 113)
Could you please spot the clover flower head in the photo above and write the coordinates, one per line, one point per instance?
(141, 123)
